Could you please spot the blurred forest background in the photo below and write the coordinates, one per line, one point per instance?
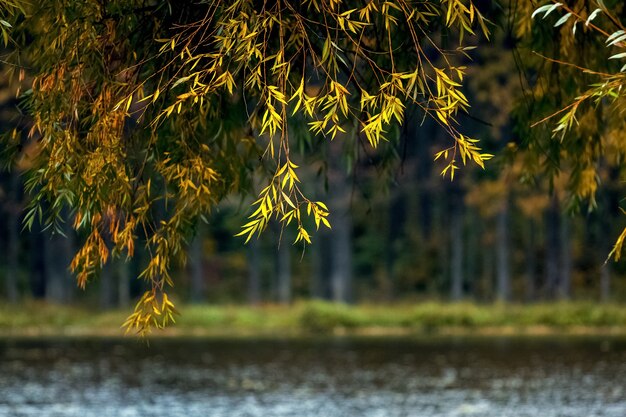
(400, 231)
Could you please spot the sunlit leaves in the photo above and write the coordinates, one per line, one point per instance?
(147, 117)
(150, 311)
(283, 201)
(271, 78)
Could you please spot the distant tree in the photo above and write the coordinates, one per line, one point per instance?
(146, 113)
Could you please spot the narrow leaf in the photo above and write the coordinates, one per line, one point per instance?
(551, 9)
(540, 10)
(614, 35)
(618, 56)
(618, 39)
(562, 20)
(592, 16)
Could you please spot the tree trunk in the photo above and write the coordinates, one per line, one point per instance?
(552, 247)
(440, 233)
(531, 261)
(107, 296)
(424, 136)
(611, 198)
(454, 224)
(123, 283)
(316, 277)
(37, 257)
(456, 267)
(58, 258)
(565, 271)
(487, 273)
(472, 252)
(196, 264)
(254, 272)
(395, 240)
(341, 220)
(283, 266)
(503, 270)
(605, 241)
(13, 240)
(341, 246)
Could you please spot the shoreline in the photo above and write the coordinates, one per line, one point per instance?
(321, 319)
(490, 332)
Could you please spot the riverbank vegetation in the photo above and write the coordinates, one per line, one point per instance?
(322, 318)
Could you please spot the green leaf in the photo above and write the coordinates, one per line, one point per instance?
(618, 40)
(614, 35)
(540, 9)
(562, 20)
(180, 81)
(618, 56)
(549, 8)
(592, 16)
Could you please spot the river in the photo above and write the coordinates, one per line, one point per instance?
(386, 377)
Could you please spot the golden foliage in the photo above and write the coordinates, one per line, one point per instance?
(140, 139)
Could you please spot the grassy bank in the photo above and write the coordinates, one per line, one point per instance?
(311, 318)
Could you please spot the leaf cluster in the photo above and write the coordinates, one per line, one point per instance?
(589, 122)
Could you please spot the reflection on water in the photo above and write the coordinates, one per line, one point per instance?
(340, 377)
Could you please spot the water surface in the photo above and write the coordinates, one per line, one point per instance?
(333, 377)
